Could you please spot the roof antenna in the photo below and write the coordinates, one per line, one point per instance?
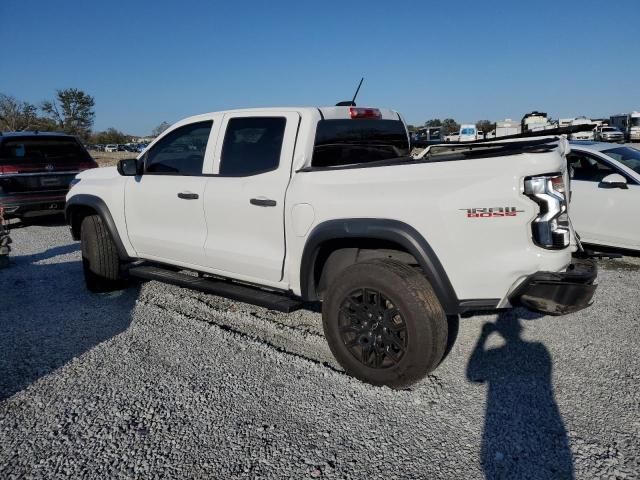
(351, 103)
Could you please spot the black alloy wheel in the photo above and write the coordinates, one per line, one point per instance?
(372, 328)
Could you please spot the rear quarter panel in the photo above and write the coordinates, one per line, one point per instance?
(483, 257)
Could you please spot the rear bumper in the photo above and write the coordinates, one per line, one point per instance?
(558, 293)
(32, 204)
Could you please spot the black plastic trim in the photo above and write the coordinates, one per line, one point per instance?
(474, 304)
(379, 229)
(97, 204)
(458, 151)
(558, 293)
(279, 301)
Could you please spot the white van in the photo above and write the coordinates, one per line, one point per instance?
(468, 133)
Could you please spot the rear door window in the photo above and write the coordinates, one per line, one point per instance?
(252, 145)
(347, 142)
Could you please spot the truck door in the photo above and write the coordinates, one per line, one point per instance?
(163, 206)
(244, 200)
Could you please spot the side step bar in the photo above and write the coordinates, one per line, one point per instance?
(271, 300)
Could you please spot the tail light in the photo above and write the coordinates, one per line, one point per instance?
(359, 112)
(551, 226)
(87, 165)
(8, 169)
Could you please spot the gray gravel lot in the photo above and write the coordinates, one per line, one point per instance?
(161, 382)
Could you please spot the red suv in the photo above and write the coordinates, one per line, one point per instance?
(36, 170)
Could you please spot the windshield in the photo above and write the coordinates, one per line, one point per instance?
(347, 142)
(635, 121)
(467, 131)
(609, 129)
(42, 149)
(628, 156)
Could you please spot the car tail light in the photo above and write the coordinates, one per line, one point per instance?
(557, 183)
(359, 112)
(87, 165)
(551, 226)
(8, 169)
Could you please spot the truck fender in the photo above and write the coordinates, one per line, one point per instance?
(393, 231)
(80, 203)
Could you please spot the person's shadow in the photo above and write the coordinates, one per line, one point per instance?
(524, 435)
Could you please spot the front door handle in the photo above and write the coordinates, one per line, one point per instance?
(263, 202)
(188, 196)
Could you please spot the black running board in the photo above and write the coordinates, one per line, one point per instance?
(271, 300)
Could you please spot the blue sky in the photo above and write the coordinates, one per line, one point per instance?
(145, 62)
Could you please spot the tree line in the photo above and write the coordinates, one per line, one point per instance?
(70, 111)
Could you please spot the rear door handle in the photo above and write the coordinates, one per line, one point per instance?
(263, 202)
(188, 196)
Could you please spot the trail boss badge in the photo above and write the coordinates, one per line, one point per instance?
(491, 212)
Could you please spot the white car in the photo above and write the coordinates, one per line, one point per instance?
(587, 135)
(605, 194)
(111, 148)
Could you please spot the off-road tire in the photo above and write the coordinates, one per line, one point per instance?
(100, 260)
(411, 294)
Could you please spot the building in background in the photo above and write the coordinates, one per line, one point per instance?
(507, 127)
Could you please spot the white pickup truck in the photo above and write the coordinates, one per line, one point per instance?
(325, 208)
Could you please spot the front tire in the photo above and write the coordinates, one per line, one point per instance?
(100, 260)
(384, 323)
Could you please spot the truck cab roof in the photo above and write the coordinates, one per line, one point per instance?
(325, 113)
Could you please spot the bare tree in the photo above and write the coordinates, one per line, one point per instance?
(450, 126)
(485, 126)
(160, 128)
(434, 122)
(110, 135)
(16, 115)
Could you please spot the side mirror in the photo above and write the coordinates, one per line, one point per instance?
(614, 180)
(128, 167)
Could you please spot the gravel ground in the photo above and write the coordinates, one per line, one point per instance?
(161, 382)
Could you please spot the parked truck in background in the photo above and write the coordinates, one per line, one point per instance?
(628, 124)
(325, 208)
(606, 133)
(428, 135)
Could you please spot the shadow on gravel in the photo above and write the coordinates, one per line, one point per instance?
(524, 435)
(48, 317)
(55, 220)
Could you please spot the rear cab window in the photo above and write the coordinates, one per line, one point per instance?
(341, 142)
